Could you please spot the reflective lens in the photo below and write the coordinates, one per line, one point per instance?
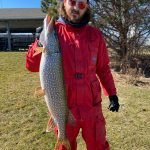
(81, 5)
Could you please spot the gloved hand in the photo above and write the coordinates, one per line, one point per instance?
(114, 104)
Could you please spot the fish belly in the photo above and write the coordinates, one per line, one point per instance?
(51, 78)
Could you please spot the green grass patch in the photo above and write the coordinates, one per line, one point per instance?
(23, 118)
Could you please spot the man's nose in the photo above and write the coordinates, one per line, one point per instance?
(76, 6)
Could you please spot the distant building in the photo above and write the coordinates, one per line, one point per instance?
(18, 26)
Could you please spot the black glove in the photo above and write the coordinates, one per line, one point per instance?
(114, 104)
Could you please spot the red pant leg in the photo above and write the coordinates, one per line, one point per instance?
(72, 133)
(94, 133)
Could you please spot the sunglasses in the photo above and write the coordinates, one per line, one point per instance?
(81, 5)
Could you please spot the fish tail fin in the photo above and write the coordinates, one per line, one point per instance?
(50, 125)
(71, 119)
(39, 92)
(64, 142)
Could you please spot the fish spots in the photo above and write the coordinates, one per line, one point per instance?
(51, 77)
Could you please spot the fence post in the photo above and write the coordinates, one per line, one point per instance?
(8, 36)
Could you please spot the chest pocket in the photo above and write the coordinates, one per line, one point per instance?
(93, 49)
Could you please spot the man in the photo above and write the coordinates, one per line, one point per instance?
(85, 65)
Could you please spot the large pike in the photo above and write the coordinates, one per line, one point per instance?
(52, 81)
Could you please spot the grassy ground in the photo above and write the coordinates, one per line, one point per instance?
(23, 118)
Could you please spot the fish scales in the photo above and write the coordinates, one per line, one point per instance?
(51, 78)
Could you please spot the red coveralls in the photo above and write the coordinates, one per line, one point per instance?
(85, 62)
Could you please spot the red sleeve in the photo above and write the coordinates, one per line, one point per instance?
(103, 69)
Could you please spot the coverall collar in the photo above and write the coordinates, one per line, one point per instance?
(83, 22)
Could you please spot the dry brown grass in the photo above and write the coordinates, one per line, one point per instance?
(23, 118)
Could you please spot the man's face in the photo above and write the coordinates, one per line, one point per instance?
(75, 9)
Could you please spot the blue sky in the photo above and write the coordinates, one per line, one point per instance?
(20, 3)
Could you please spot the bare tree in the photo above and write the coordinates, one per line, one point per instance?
(124, 23)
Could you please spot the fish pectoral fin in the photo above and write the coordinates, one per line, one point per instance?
(50, 125)
(39, 50)
(64, 142)
(39, 92)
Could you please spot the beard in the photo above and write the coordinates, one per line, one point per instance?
(75, 16)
